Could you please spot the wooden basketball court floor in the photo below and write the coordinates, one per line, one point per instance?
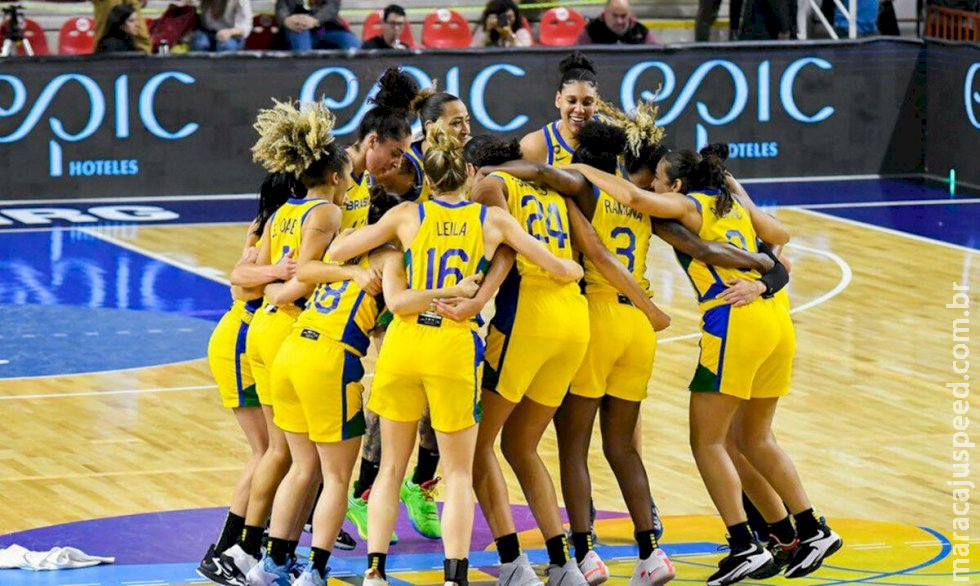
(116, 442)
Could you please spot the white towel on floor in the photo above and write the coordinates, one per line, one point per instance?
(57, 558)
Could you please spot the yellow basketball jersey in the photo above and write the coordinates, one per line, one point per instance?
(422, 191)
(342, 311)
(285, 227)
(735, 228)
(543, 214)
(559, 153)
(449, 245)
(624, 232)
(358, 202)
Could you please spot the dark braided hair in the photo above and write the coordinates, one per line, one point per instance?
(276, 189)
(599, 145)
(486, 151)
(391, 116)
(701, 172)
(577, 67)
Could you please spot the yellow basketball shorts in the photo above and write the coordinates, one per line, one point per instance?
(226, 356)
(427, 364)
(621, 350)
(316, 387)
(746, 352)
(536, 342)
(269, 328)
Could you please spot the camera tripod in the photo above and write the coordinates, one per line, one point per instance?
(14, 36)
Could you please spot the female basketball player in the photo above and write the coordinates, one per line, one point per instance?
(230, 366)
(417, 492)
(427, 358)
(283, 239)
(737, 370)
(576, 99)
(536, 343)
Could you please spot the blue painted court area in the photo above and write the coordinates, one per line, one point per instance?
(73, 303)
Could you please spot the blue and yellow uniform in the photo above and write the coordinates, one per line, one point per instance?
(226, 355)
(746, 352)
(422, 192)
(427, 358)
(623, 344)
(316, 378)
(272, 323)
(358, 204)
(560, 153)
(540, 333)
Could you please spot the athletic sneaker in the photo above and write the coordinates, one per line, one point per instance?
(344, 541)
(268, 573)
(357, 513)
(658, 525)
(311, 578)
(232, 566)
(594, 569)
(739, 563)
(518, 573)
(421, 507)
(781, 555)
(209, 565)
(567, 575)
(656, 570)
(373, 577)
(810, 554)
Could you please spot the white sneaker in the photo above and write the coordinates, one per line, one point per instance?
(656, 570)
(267, 573)
(518, 573)
(594, 569)
(567, 575)
(311, 578)
(373, 578)
(234, 564)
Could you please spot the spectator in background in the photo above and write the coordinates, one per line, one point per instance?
(616, 26)
(224, 25)
(708, 13)
(501, 25)
(314, 24)
(100, 13)
(769, 20)
(395, 22)
(120, 31)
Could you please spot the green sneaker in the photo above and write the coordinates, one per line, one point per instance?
(421, 506)
(357, 513)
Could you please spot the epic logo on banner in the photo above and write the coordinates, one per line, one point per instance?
(96, 117)
(480, 88)
(971, 99)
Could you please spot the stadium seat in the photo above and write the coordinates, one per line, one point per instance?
(530, 29)
(263, 35)
(77, 36)
(560, 27)
(446, 29)
(374, 23)
(33, 33)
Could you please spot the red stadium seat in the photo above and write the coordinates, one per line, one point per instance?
(33, 33)
(77, 36)
(374, 23)
(446, 29)
(263, 35)
(527, 25)
(560, 27)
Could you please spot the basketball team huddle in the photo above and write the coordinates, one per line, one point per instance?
(405, 244)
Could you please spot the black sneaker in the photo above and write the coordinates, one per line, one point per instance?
(345, 541)
(741, 562)
(209, 565)
(810, 554)
(780, 559)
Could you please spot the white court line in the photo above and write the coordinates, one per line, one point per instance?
(846, 276)
(890, 231)
(199, 271)
(105, 393)
(885, 204)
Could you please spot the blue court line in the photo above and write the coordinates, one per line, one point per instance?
(943, 553)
